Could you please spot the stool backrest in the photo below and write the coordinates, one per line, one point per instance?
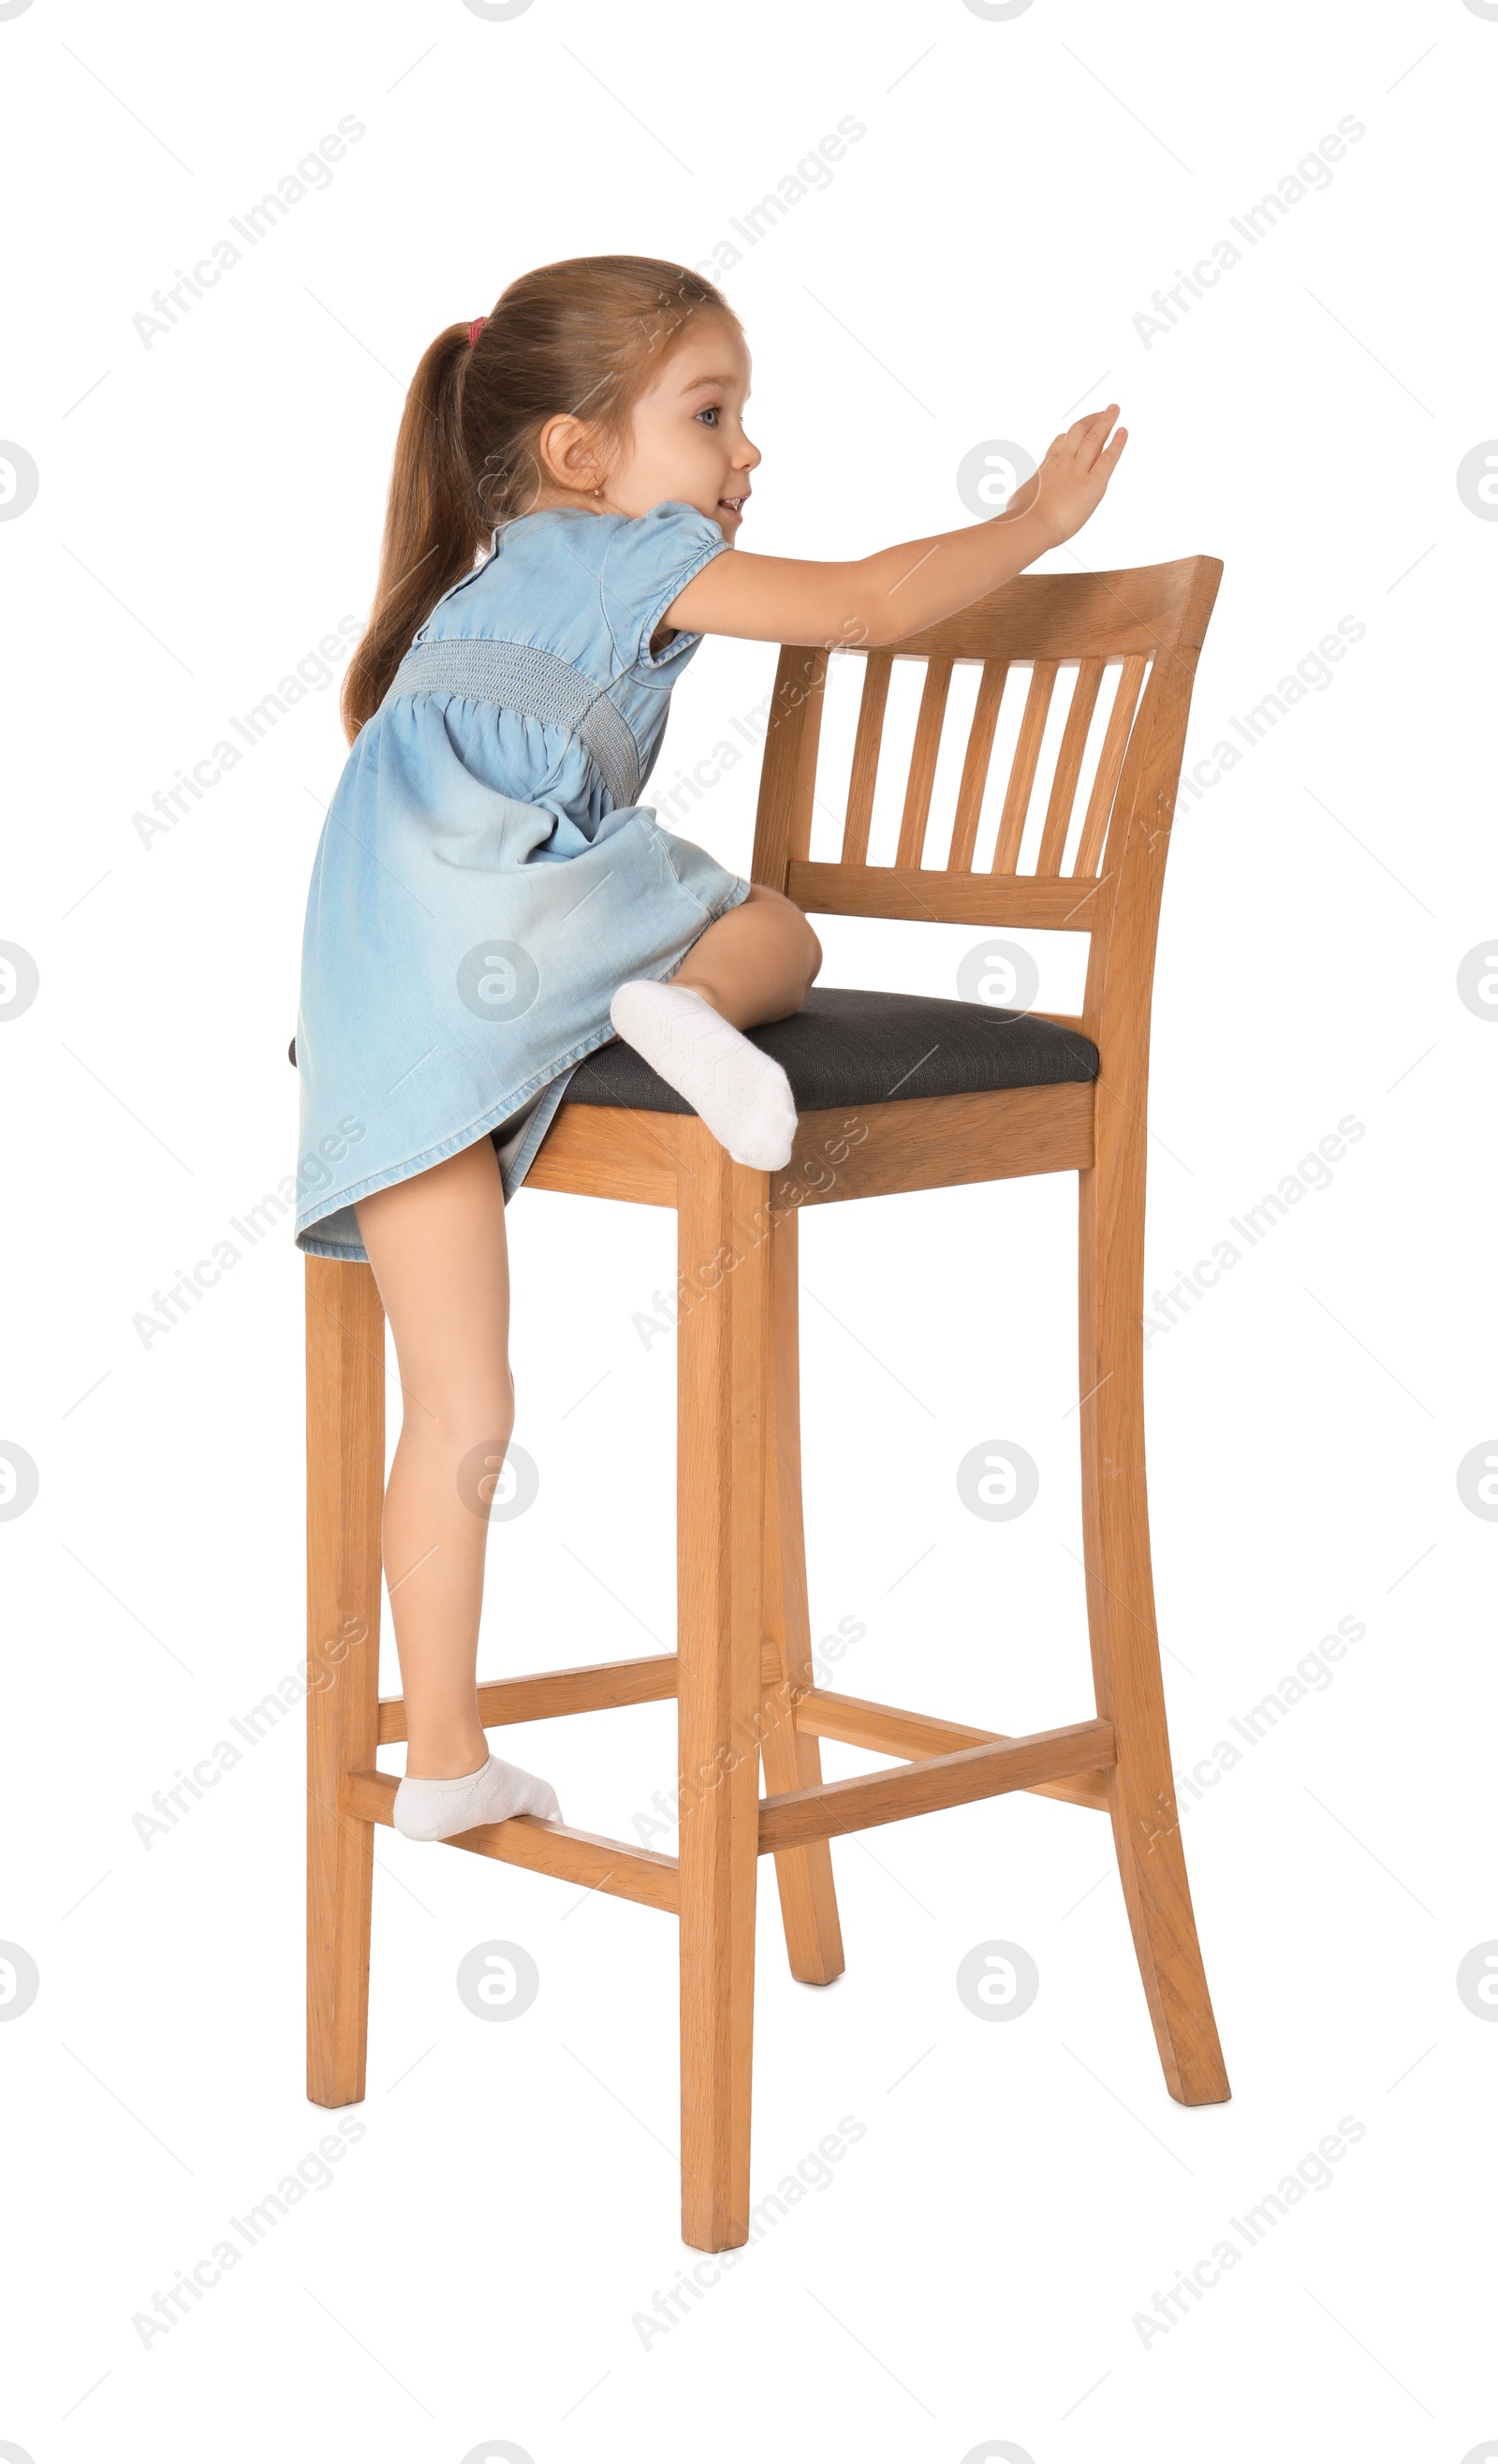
(1127, 643)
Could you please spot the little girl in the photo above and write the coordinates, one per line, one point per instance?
(491, 901)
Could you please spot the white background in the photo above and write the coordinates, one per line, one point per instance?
(208, 508)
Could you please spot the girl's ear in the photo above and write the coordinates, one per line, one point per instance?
(569, 453)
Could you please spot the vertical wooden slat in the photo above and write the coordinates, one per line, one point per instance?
(720, 1437)
(923, 761)
(1110, 761)
(788, 775)
(345, 1483)
(866, 757)
(791, 1757)
(1069, 767)
(1026, 753)
(975, 764)
(810, 682)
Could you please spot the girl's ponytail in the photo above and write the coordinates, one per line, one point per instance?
(585, 335)
(433, 524)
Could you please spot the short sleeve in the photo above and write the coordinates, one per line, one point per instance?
(650, 559)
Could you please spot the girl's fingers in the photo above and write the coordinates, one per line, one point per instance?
(1084, 442)
(1096, 423)
(1085, 451)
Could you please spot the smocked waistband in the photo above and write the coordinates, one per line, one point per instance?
(533, 682)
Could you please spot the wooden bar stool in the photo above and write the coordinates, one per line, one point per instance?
(1000, 1096)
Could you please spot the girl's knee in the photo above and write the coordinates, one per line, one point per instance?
(467, 1413)
(802, 948)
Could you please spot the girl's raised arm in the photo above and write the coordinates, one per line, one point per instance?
(899, 590)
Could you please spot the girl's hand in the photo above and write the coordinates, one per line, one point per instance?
(901, 590)
(1071, 482)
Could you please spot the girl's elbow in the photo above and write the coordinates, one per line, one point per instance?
(869, 626)
(866, 615)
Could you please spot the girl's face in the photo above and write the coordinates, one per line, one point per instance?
(686, 443)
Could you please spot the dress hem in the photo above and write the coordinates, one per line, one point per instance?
(355, 1253)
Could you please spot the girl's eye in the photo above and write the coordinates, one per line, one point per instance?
(711, 414)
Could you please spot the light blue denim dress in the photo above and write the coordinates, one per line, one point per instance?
(486, 879)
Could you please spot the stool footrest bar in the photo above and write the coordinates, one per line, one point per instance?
(806, 1813)
(604, 1685)
(914, 1736)
(582, 1857)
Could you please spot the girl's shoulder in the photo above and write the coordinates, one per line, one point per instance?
(622, 552)
(576, 581)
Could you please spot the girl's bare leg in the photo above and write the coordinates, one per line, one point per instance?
(754, 965)
(438, 1249)
(437, 1246)
(757, 963)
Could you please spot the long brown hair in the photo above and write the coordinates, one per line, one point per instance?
(582, 337)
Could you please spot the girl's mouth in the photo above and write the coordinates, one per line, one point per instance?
(733, 505)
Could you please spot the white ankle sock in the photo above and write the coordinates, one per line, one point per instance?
(437, 1808)
(743, 1095)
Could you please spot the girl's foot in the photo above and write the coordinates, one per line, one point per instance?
(437, 1808)
(743, 1095)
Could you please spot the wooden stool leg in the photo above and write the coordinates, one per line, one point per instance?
(808, 1899)
(720, 1437)
(1120, 1611)
(345, 1482)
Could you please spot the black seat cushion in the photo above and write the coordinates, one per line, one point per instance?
(865, 1047)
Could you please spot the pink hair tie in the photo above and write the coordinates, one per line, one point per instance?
(475, 329)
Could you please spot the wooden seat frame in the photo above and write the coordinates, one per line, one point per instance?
(742, 1670)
